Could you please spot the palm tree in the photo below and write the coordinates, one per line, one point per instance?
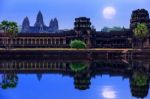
(13, 28)
(0, 26)
(5, 25)
(12, 31)
(9, 28)
(9, 81)
(141, 32)
(140, 78)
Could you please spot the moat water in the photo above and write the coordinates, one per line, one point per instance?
(74, 79)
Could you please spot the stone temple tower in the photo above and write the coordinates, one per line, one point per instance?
(26, 25)
(82, 27)
(39, 26)
(39, 20)
(53, 25)
(139, 16)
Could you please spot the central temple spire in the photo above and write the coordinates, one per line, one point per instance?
(39, 20)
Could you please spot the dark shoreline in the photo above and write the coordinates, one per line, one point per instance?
(87, 54)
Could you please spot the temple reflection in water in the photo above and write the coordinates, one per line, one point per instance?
(137, 71)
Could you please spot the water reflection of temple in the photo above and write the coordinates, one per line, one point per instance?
(138, 72)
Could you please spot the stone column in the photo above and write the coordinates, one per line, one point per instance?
(27, 41)
(43, 41)
(59, 41)
(64, 41)
(40, 41)
(51, 41)
(88, 41)
(19, 41)
(23, 40)
(147, 42)
(35, 41)
(47, 41)
(31, 40)
(55, 41)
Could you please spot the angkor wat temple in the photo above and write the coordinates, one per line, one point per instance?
(82, 31)
(39, 26)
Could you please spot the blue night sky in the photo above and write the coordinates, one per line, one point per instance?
(67, 10)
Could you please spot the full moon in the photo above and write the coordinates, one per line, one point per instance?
(108, 92)
(109, 12)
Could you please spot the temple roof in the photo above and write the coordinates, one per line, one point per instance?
(125, 33)
(114, 33)
(57, 34)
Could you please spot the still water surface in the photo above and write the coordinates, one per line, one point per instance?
(74, 79)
